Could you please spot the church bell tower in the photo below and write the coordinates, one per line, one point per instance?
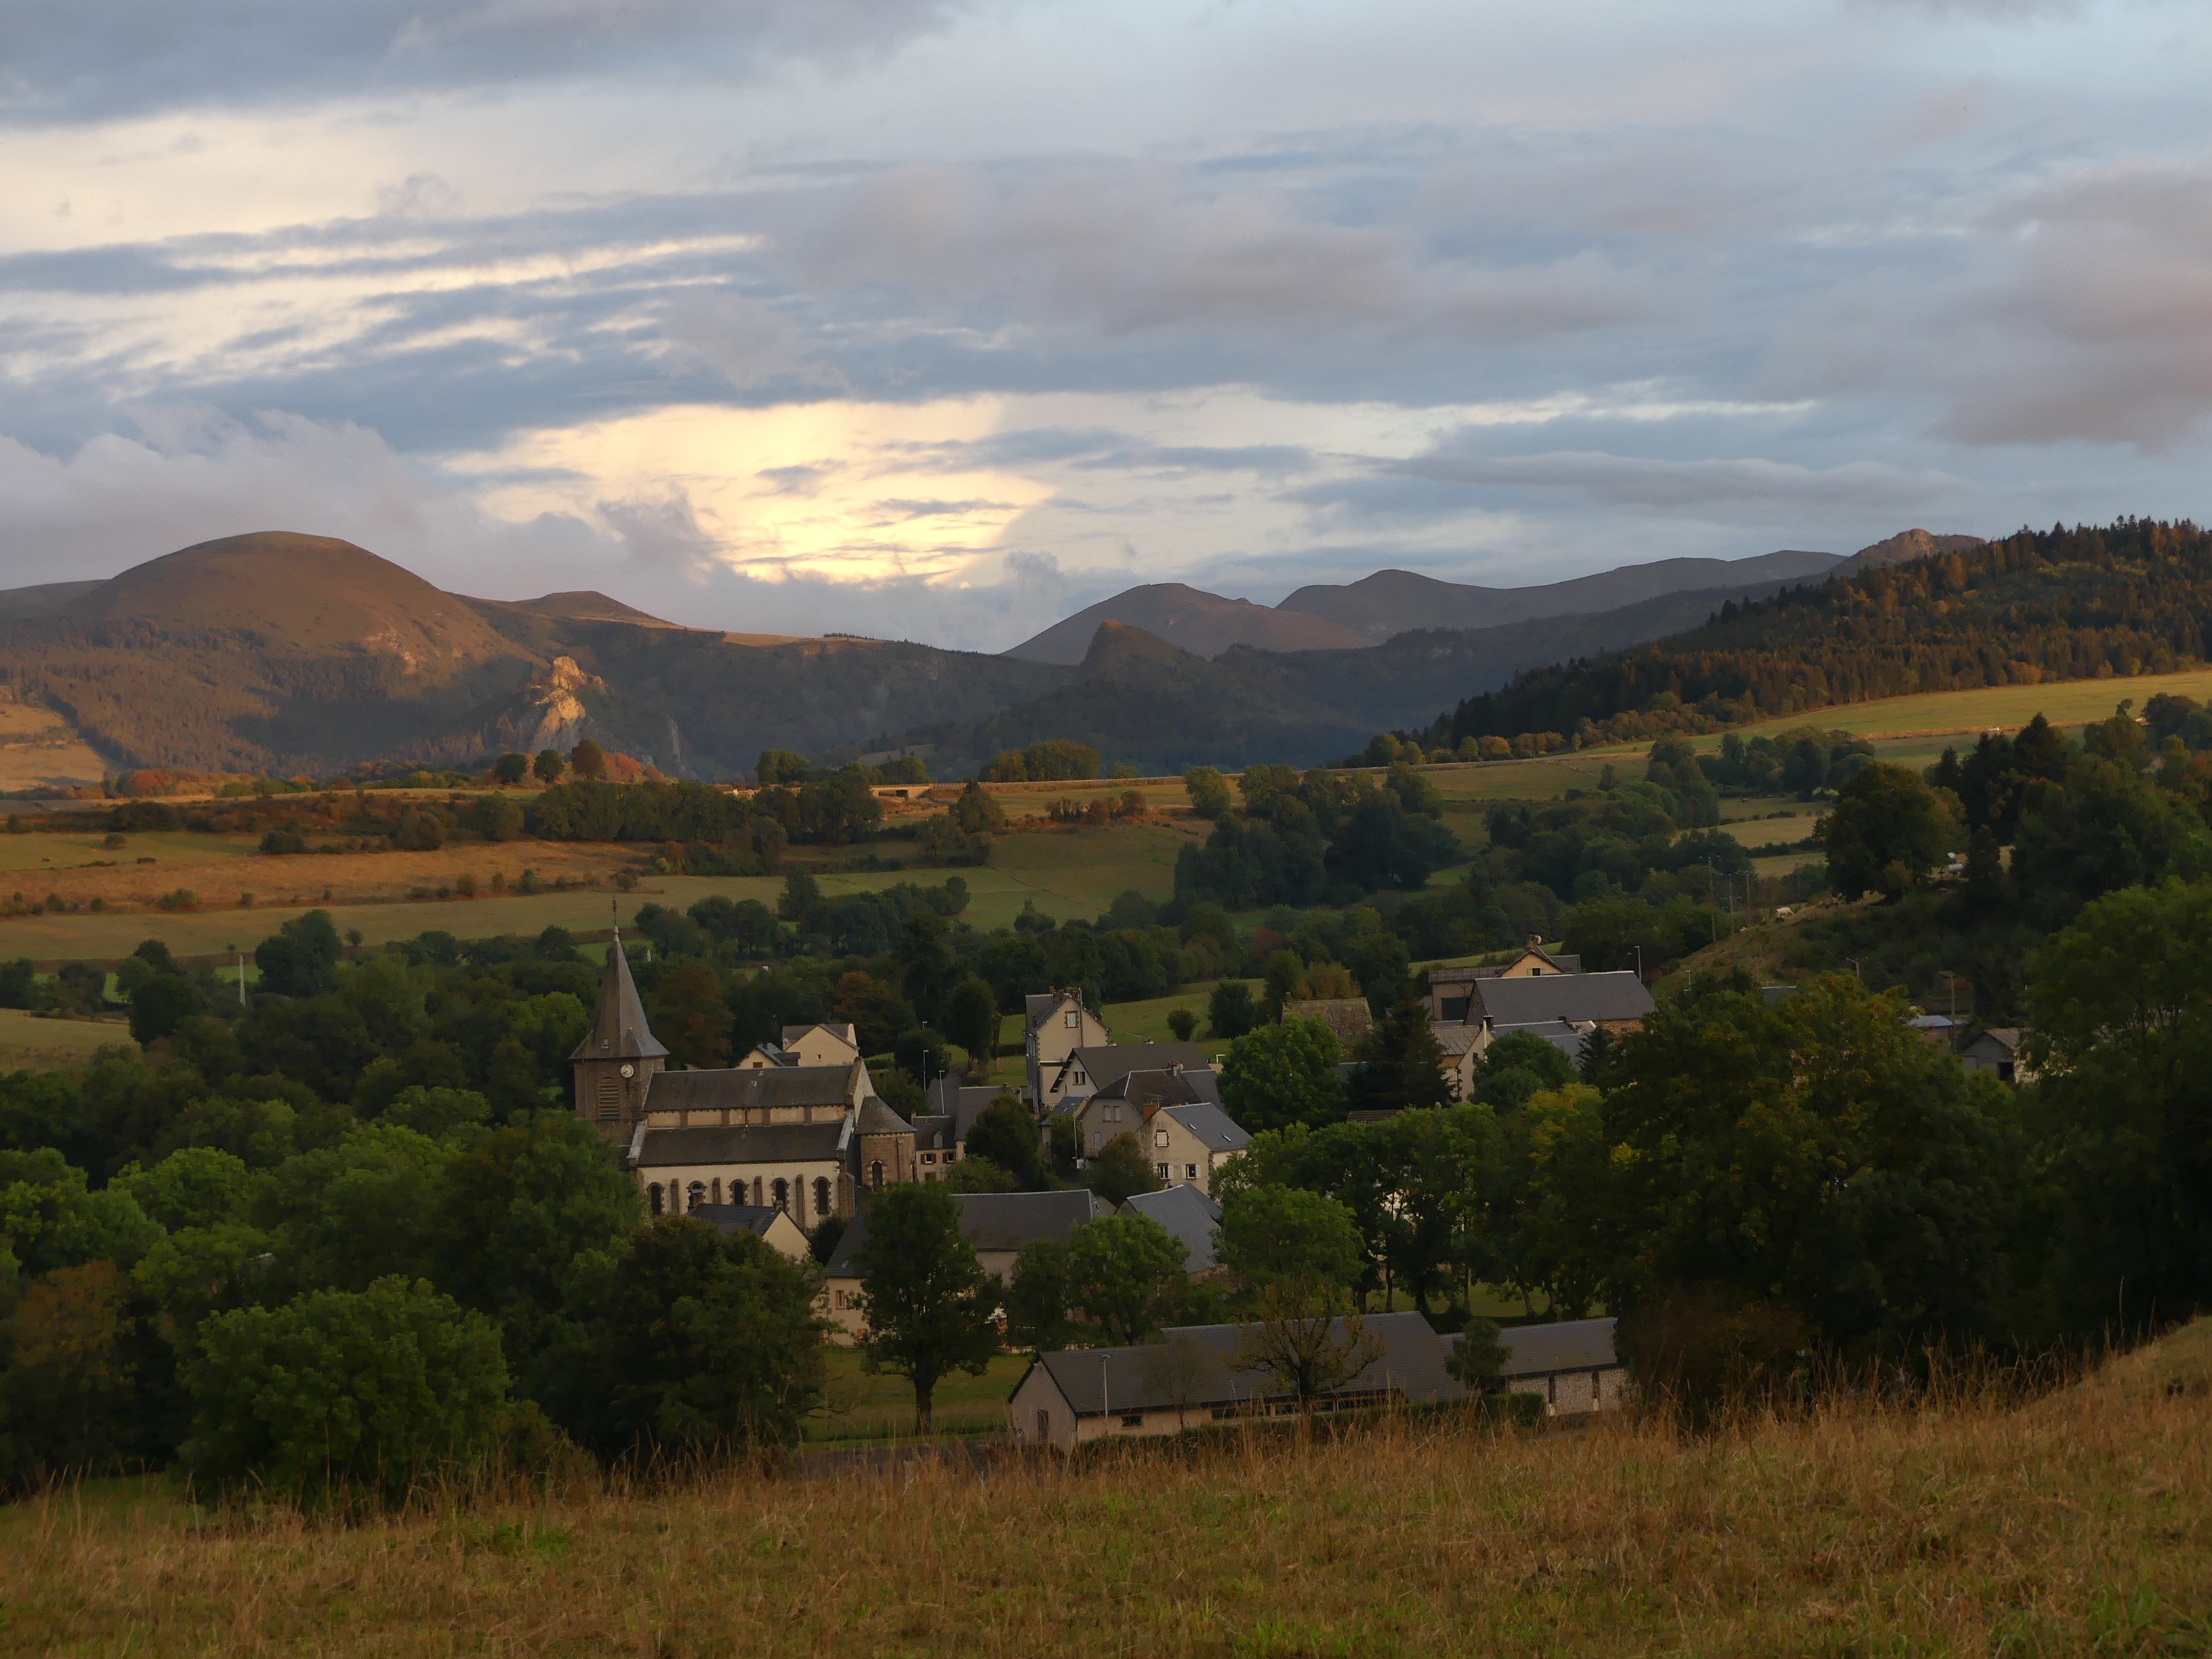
(616, 1061)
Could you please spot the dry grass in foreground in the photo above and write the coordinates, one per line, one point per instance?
(2081, 1524)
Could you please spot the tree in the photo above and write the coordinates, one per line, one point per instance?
(192, 1187)
(511, 768)
(1282, 1074)
(2120, 1012)
(977, 811)
(1182, 1023)
(1208, 791)
(1006, 1133)
(549, 766)
(160, 1004)
(926, 1300)
(1477, 1356)
(706, 1344)
(588, 760)
(971, 1018)
(1037, 1298)
(66, 1397)
(300, 959)
(1888, 830)
(690, 1016)
(1177, 1370)
(779, 765)
(1119, 1170)
(1122, 1271)
(1229, 1010)
(1402, 1062)
(344, 1393)
(1297, 1254)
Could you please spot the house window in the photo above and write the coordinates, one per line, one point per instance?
(929, 1158)
(1097, 1140)
(1190, 1172)
(782, 1193)
(1159, 1137)
(1070, 1019)
(1132, 1420)
(821, 1195)
(1161, 1171)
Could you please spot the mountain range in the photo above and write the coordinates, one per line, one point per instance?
(293, 655)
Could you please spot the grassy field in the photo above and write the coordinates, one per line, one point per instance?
(2078, 1524)
(27, 1042)
(880, 1408)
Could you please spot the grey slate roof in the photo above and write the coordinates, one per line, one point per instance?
(1109, 1063)
(991, 1221)
(1559, 996)
(735, 1087)
(751, 1142)
(1574, 1345)
(736, 1218)
(878, 1119)
(1188, 1214)
(933, 1131)
(1161, 1089)
(1097, 1380)
(619, 1029)
(964, 1103)
(1215, 1129)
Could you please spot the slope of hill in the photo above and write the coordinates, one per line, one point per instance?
(1398, 601)
(1902, 548)
(1289, 706)
(44, 599)
(299, 653)
(2134, 597)
(1205, 624)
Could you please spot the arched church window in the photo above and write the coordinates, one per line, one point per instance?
(875, 1175)
(782, 1193)
(715, 1188)
(656, 1196)
(695, 1195)
(821, 1196)
(756, 1192)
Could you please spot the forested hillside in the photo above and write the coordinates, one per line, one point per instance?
(2130, 597)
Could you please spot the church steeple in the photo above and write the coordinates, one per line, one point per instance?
(616, 1061)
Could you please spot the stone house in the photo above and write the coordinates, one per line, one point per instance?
(764, 1220)
(1187, 1211)
(1618, 1003)
(997, 1225)
(1055, 1024)
(1189, 1379)
(1086, 1071)
(807, 1045)
(1448, 988)
(1187, 1144)
(1572, 1364)
(1997, 1051)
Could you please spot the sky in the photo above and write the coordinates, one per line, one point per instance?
(939, 319)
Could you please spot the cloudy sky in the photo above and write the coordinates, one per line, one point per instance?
(941, 318)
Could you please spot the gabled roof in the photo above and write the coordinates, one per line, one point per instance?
(1095, 1380)
(991, 1221)
(1559, 962)
(1214, 1129)
(1189, 1215)
(843, 1033)
(1557, 1032)
(1110, 1062)
(735, 1087)
(964, 1103)
(1455, 1039)
(1559, 996)
(1574, 1345)
(746, 1143)
(619, 1029)
(1160, 1089)
(1039, 1006)
(878, 1119)
(736, 1218)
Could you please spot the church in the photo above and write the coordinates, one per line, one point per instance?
(776, 1131)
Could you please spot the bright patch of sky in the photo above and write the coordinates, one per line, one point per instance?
(941, 318)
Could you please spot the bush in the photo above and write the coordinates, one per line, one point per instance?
(345, 1395)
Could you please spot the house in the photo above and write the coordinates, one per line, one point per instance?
(1186, 1211)
(1349, 1017)
(765, 1220)
(1462, 1049)
(806, 1045)
(1615, 1002)
(805, 1139)
(1121, 1107)
(1192, 1377)
(997, 1225)
(1056, 1024)
(1566, 1037)
(1449, 986)
(940, 1134)
(1572, 1364)
(1087, 1069)
(1936, 1030)
(1997, 1050)
(1187, 1144)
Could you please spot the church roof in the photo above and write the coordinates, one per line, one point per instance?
(746, 1087)
(749, 1143)
(878, 1119)
(618, 1028)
